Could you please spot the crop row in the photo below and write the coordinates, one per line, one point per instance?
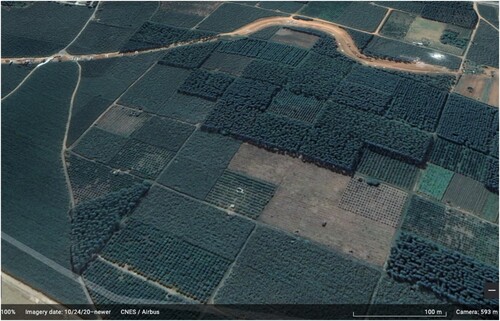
(448, 274)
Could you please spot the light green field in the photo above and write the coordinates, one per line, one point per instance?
(434, 181)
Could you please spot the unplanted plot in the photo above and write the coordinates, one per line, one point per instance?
(295, 38)
(229, 63)
(453, 229)
(490, 209)
(91, 180)
(380, 203)
(142, 159)
(466, 193)
(241, 194)
(434, 181)
(122, 120)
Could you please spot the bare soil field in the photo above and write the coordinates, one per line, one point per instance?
(294, 38)
(306, 203)
(483, 87)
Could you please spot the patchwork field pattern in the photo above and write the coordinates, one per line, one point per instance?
(380, 203)
(241, 194)
(387, 169)
(453, 229)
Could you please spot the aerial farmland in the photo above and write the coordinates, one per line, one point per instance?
(250, 160)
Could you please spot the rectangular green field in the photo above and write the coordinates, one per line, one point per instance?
(434, 181)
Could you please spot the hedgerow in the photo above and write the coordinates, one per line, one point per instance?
(189, 56)
(361, 39)
(153, 35)
(468, 122)
(272, 72)
(361, 97)
(108, 285)
(491, 174)
(205, 84)
(94, 222)
(417, 105)
(459, 13)
(460, 280)
(451, 228)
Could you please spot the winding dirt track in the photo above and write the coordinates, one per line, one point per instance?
(344, 40)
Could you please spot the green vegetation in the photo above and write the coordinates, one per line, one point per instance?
(388, 169)
(450, 37)
(190, 56)
(358, 15)
(404, 52)
(390, 291)
(361, 39)
(91, 180)
(109, 285)
(298, 107)
(458, 231)
(397, 25)
(483, 49)
(361, 97)
(94, 222)
(102, 82)
(283, 6)
(490, 209)
(186, 14)
(99, 144)
(231, 16)
(202, 160)
(12, 75)
(204, 84)
(458, 13)
(434, 181)
(121, 120)
(142, 159)
(469, 123)
(407, 6)
(418, 261)
(489, 12)
(466, 193)
(36, 204)
(184, 108)
(241, 194)
(278, 268)
(35, 30)
(155, 88)
(274, 73)
(164, 132)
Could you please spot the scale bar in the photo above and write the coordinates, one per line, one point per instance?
(399, 316)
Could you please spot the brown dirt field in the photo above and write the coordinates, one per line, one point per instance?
(295, 38)
(306, 198)
(481, 84)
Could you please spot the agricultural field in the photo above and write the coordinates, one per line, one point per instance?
(196, 154)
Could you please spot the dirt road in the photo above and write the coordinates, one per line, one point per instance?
(344, 40)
